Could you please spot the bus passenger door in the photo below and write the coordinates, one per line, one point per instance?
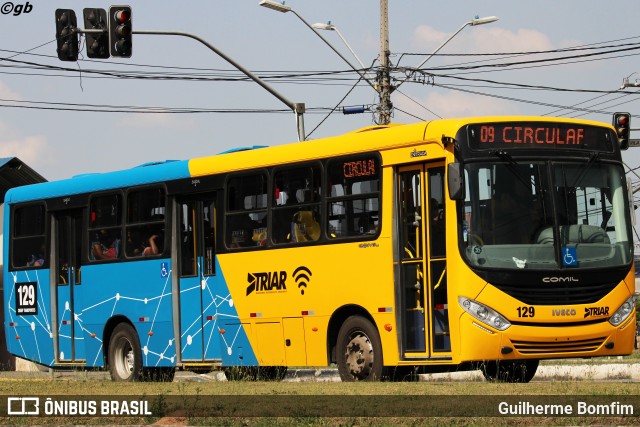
(197, 276)
(412, 260)
(422, 292)
(66, 262)
(438, 306)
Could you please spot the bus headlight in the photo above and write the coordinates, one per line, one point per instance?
(484, 314)
(623, 312)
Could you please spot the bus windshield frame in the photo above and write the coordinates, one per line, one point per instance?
(530, 206)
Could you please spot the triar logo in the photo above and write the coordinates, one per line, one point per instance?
(596, 311)
(267, 282)
(276, 281)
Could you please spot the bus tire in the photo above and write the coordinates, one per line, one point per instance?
(125, 355)
(359, 351)
(510, 371)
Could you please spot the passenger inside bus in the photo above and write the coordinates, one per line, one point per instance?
(304, 224)
(35, 260)
(105, 247)
(305, 227)
(136, 246)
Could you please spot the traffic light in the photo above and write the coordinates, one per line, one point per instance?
(67, 36)
(97, 43)
(120, 31)
(622, 124)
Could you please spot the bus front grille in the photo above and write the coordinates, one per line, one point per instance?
(558, 294)
(545, 347)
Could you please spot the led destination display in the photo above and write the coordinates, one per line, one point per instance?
(534, 135)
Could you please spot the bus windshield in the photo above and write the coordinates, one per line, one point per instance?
(545, 215)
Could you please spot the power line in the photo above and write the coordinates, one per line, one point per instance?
(531, 52)
(104, 108)
(311, 77)
(508, 98)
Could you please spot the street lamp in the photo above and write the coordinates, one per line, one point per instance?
(283, 8)
(626, 83)
(280, 7)
(473, 23)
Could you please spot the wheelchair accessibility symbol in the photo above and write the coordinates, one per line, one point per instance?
(164, 269)
(569, 257)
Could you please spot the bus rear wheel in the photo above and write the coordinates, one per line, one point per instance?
(125, 355)
(510, 371)
(359, 351)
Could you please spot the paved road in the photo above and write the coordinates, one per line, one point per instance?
(569, 371)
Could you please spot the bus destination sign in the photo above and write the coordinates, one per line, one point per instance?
(534, 135)
(360, 168)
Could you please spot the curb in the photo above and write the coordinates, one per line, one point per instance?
(577, 372)
(582, 372)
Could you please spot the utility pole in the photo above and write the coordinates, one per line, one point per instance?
(383, 115)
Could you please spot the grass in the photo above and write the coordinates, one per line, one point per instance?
(179, 403)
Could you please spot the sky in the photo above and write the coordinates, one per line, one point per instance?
(53, 112)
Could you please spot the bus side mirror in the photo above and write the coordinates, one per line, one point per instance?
(454, 181)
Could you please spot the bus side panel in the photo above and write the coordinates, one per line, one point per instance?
(273, 289)
(28, 320)
(139, 291)
(233, 333)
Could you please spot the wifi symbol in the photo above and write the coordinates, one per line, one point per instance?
(302, 276)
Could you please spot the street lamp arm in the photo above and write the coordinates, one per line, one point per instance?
(473, 22)
(329, 27)
(348, 47)
(296, 107)
(435, 51)
(361, 73)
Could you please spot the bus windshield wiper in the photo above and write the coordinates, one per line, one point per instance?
(512, 166)
(592, 159)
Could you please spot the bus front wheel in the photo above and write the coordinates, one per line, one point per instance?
(125, 355)
(359, 351)
(510, 371)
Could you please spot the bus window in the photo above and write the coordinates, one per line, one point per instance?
(105, 233)
(28, 249)
(246, 219)
(145, 222)
(353, 196)
(296, 210)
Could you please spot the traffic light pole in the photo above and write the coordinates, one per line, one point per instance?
(297, 107)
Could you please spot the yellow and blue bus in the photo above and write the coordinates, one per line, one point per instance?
(484, 243)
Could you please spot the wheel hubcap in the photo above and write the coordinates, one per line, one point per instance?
(125, 359)
(359, 355)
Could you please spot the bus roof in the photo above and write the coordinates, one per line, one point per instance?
(361, 140)
(144, 174)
